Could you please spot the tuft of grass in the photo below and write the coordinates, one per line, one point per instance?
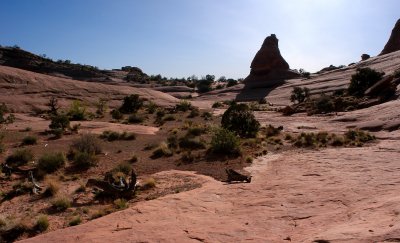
(20, 157)
(75, 221)
(51, 162)
(42, 223)
(148, 183)
(120, 204)
(52, 187)
(161, 151)
(61, 203)
(169, 118)
(29, 140)
(123, 167)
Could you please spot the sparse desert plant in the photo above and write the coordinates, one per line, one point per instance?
(191, 143)
(169, 117)
(183, 105)
(75, 128)
(224, 142)
(84, 160)
(101, 107)
(194, 112)
(131, 104)
(396, 74)
(173, 141)
(337, 141)
(51, 162)
(52, 187)
(161, 151)
(75, 221)
(187, 157)
(59, 122)
(123, 167)
(207, 115)
(42, 223)
(359, 136)
(135, 118)
(249, 159)
(148, 183)
(240, 119)
(77, 111)
(299, 94)
(151, 107)
(272, 131)
(20, 157)
(362, 80)
(61, 203)
(112, 136)
(194, 131)
(53, 105)
(120, 204)
(217, 104)
(87, 143)
(116, 114)
(324, 104)
(29, 140)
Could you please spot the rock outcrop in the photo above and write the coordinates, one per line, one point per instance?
(268, 67)
(393, 43)
(365, 57)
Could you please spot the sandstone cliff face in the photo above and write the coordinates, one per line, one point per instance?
(268, 67)
(393, 43)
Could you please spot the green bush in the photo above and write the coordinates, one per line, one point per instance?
(112, 136)
(299, 94)
(29, 140)
(240, 119)
(217, 104)
(116, 114)
(86, 143)
(324, 104)
(225, 142)
(59, 122)
(51, 162)
(84, 160)
(19, 157)
(362, 80)
(204, 85)
(77, 111)
(101, 107)
(131, 104)
(42, 223)
(183, 105)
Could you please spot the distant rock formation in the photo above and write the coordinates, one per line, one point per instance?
(268, 67)
(393, 43)
(365, 57)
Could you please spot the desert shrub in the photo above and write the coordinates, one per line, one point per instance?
(194, 112)
(183, 105)
(51, 162)
(224, 141)
(231, 82)
(299, 94)
(151, 107)
(217, 104)
(116, 114)
(84, 160)
(75, 221)
(305, 140)
(29, 140)
(324, 104)
(59, 122)
(77, 111)
(131, 104)
(61, 203)
(135, 118)
(194, 131)
(272, 131)
(133, 159)
(101, 107)
(173, 141)
(337, 141)
(187, 157)
(249, 159)
(53, 106)
(396, 74)
(20, 157)
(204, 85)
(75, 128)
(161, 151)
(148, 183)
(362, 80)
(359, 136)
(52, 187)
(191, 143)
(3, 110)
(42, 223)
(240, 119)
(120, 204)
(207, 115)
(123, 167)
(169, 118)
(112, 136)
(86, 143)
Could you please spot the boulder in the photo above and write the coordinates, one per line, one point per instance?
(268, 67)
(393, 43)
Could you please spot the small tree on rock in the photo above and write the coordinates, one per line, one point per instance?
(240, 119)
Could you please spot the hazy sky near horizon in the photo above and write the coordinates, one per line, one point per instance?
(178, 38)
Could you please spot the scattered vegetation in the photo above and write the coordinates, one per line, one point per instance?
(135, 118)
(112, 136)
(51, 162)
(75, 221)
(29, 140)
(224, 142)
(240, 119)
(362, 80)
(183, 106)
(131, 104)
(19, 157)
(299, 94)
(83, 151)
(42, 223)
(61, 203)
(161, 151)
(120, 204)
(77, 111)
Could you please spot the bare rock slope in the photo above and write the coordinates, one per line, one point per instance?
(393, 43)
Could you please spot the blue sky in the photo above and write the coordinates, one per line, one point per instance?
(178, 38)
